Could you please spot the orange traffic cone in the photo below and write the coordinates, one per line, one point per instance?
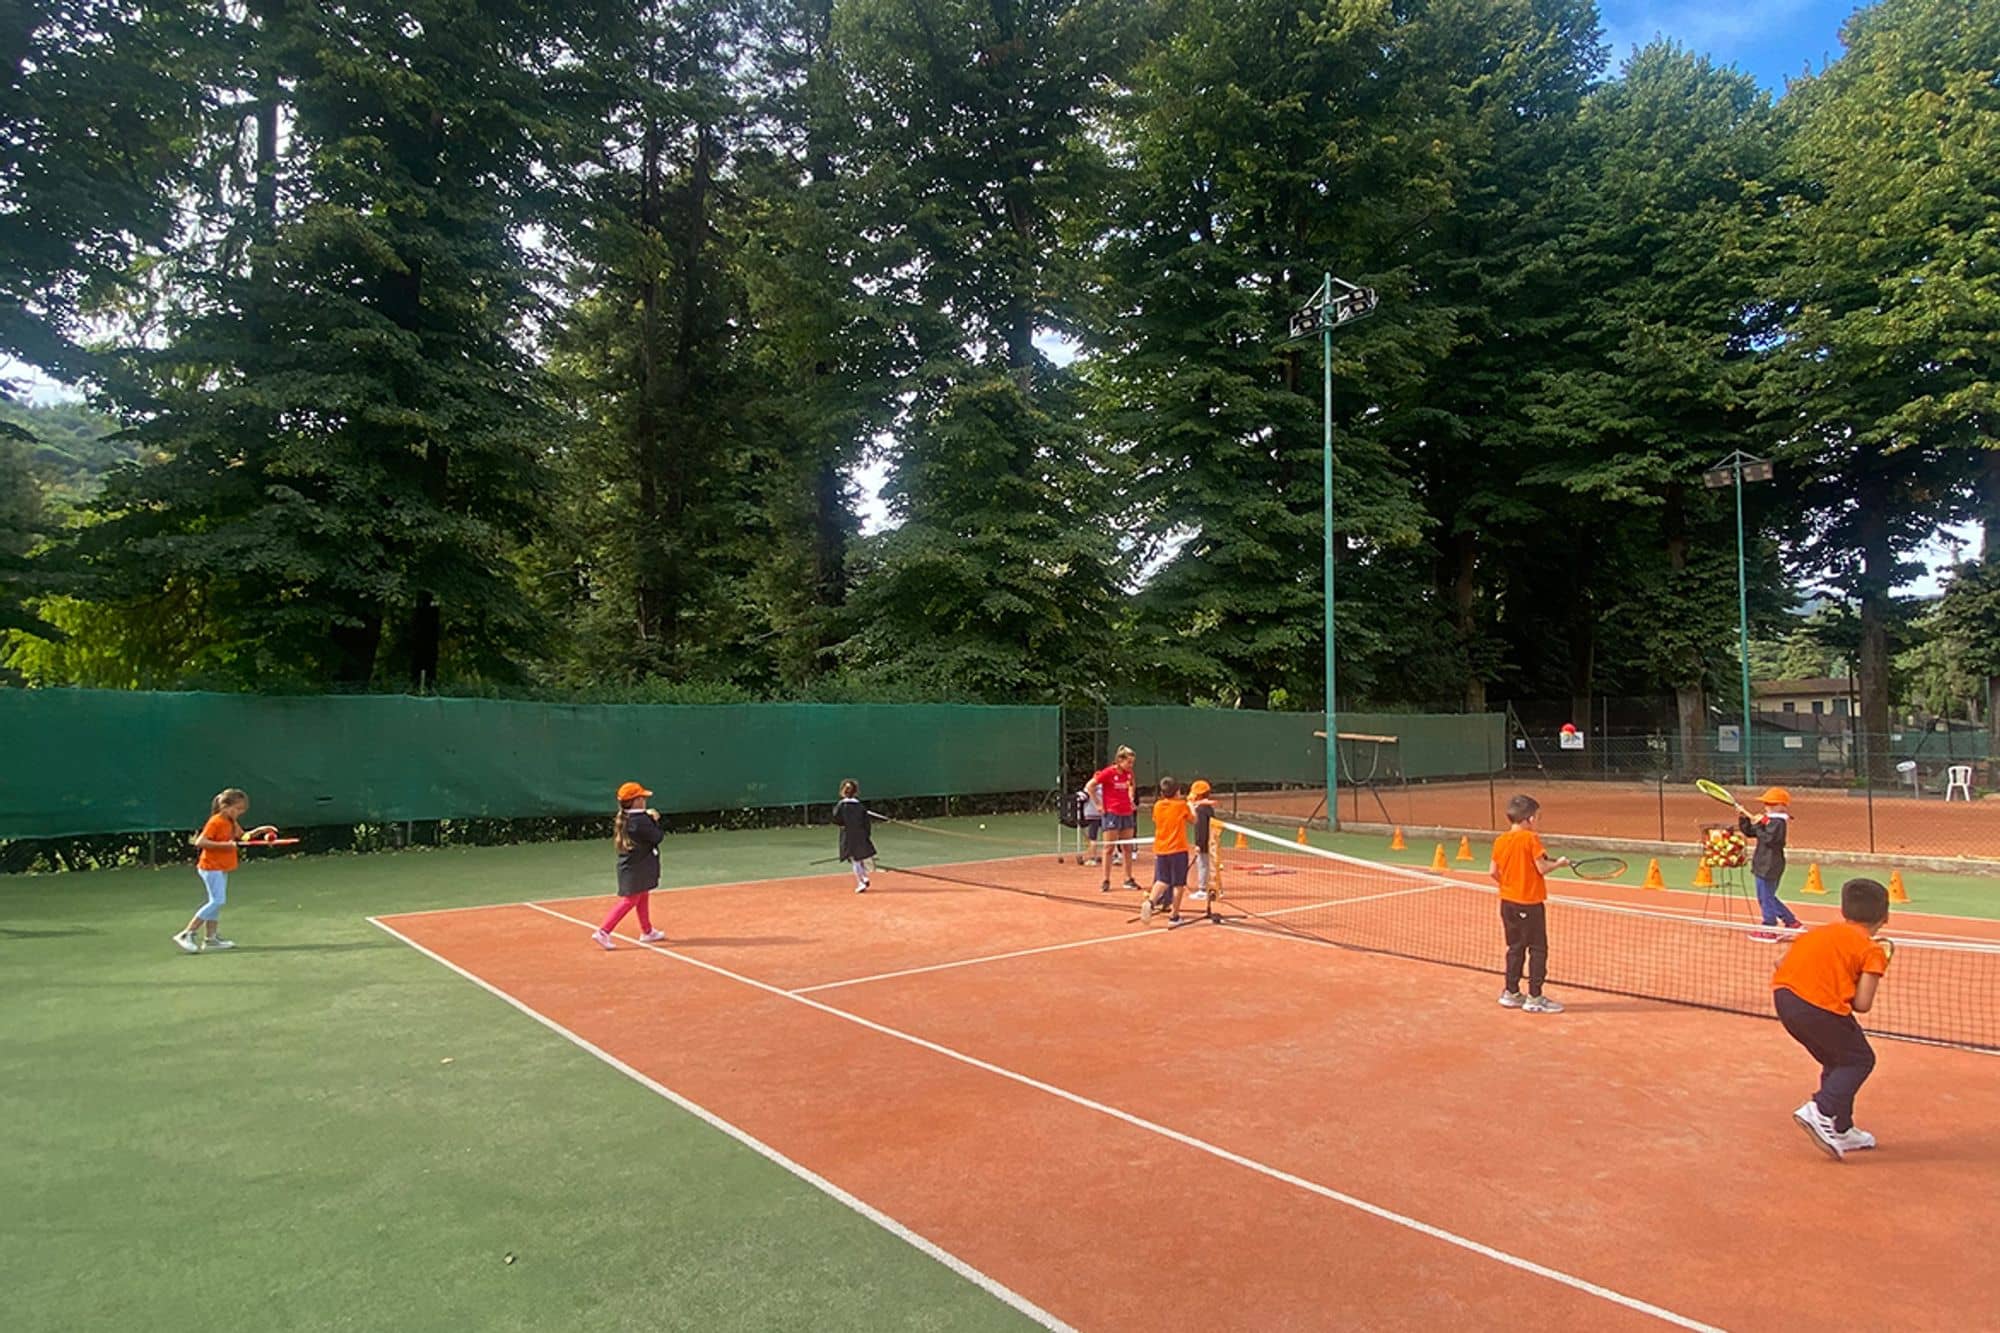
(1302, 835)
(1654, 880)
(1396, 844)
(1242, 842)
(1465, 849)
(1704, 878)
(1897, 893)
(1814, 884)
(1437, 859)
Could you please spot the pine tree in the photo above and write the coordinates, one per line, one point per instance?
(348, 419)
(649, 353)
(972, 151)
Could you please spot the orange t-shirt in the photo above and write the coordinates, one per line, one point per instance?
(1823, 965)
(219, 828)
(1515, 854)
(1171, 817)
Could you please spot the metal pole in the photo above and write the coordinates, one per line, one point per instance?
(1743, 623)
(1326, 522)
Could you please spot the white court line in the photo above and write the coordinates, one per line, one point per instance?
(974, 962)
(889, 1224)
(1312, 1187)
(842, 873)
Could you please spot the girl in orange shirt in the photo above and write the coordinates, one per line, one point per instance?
(218, 840)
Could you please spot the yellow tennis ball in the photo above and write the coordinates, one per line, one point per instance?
(982, 826)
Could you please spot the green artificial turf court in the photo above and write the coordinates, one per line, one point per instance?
(271, 1138)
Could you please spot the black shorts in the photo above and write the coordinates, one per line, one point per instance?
(1116, 824)
(1170, 869)
(1091, 828)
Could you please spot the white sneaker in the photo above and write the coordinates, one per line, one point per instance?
(1198, 896)
(1146, 911)
(1511, 999)
(217, 942)
(603, 939)
(1855, 1140)
(652, 937)
(1540, 1004)
(861, 886)
(186, 943)
(1819, 1128)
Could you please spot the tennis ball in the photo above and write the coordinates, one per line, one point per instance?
(982, 826)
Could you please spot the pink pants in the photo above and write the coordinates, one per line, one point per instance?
(626, 904)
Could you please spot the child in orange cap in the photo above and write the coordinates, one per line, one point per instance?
(636, 832)
(1767, 863)
(1203, 805)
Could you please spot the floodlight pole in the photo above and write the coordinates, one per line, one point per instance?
(1743, 623)
(1336, 302)
(1731, 472)
(1326, 542)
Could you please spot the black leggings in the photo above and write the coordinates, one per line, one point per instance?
(1841, 1047)
(1527, 939)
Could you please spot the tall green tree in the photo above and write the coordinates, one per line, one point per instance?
(1265, 144)
(972, 148)
(820, 350)
(346, 412)
(649, 352)
(1887, 372)
(1506, 79)
(100, 104)
(1663, 215)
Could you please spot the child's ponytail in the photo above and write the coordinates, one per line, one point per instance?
(619, 837)
(227, 796)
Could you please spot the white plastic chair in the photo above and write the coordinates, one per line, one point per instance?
(1958, 778)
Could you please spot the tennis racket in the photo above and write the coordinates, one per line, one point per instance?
(267, 842)
(1597, 867)
(1888, 950)
(1715, 791)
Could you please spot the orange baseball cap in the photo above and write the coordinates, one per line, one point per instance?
(1776, 796)
(631, 791)
(1199, 789)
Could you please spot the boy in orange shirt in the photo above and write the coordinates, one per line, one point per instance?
(1830, 974)
(1171, 817)
(1519, 865)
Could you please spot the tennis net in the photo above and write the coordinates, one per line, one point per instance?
(1940, 991)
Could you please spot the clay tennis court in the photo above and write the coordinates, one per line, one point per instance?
(1822, 821)
(1116, 1127)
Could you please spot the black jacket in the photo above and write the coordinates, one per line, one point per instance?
(1768, 861)
(857, 842)
(639, 869)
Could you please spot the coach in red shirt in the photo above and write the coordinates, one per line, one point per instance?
(1112, 788)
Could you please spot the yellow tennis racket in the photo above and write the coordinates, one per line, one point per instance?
(1715, 791)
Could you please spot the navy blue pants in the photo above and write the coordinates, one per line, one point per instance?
(1841, 1047)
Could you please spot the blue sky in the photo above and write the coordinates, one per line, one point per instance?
(1771, 39)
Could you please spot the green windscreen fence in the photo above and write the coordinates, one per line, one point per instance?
(107, 761)
(1242, 745)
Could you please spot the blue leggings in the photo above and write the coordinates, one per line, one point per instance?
(217, 884)
(1767, 899)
